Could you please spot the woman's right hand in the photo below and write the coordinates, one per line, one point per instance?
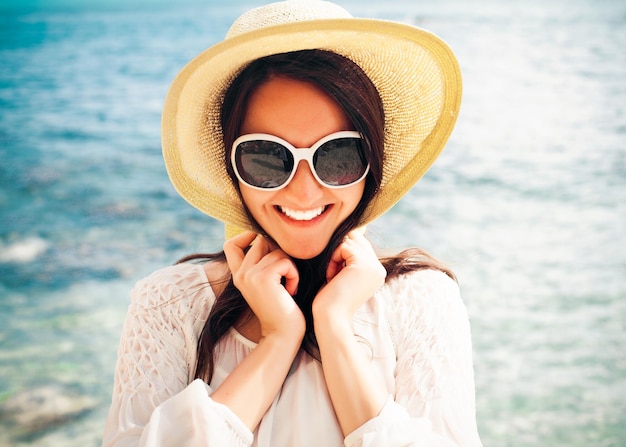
(267, 278)
(258, 269)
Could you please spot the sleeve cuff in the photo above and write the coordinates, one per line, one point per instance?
(392, 427)
(192, 418)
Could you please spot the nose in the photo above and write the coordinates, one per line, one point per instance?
(304, 185)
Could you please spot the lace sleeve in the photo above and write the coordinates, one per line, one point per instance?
(433, 402)
(434, 372)
(156, 360)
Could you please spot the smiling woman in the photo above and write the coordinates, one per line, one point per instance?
(532, 182)
(297, 135)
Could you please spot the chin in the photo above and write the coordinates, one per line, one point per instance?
(304, 251)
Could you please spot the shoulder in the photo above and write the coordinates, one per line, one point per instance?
(185, 284)
(419, 285)
(423, 298)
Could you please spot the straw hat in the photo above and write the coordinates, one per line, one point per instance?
(415, 72)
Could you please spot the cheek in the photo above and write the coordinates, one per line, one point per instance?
(250, 197)
(254, 201)
(354, 194)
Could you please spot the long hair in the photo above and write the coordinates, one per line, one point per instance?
(349, 86)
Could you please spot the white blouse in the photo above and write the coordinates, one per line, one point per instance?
(415, 329)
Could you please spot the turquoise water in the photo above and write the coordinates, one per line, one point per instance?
(528, 201)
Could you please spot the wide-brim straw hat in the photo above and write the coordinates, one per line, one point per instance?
(416, 74)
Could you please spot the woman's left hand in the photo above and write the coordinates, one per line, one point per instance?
(353, 275)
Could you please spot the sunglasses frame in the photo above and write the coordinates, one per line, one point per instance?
(298, 153)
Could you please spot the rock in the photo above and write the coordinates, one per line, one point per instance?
(35, 410)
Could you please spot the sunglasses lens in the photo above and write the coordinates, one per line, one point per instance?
(264, 164)
(341, 161)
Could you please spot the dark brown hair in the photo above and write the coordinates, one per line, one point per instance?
(349, 86)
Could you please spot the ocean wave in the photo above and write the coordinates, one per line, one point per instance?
(23, 251)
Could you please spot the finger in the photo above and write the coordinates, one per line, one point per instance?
(346, 253)
(333, 269)
(279, 264)
(264, 254)
(258, 249)
(336, 263)
(242, 240)
(234, 249)
(356, 235)
(355, 242)
(291, 277)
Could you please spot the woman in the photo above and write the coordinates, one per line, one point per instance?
(297, 130)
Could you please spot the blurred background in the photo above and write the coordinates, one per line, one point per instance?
(527, 203)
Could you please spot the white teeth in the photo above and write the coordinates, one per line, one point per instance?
(302, 215)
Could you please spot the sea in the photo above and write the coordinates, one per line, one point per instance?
(527, 203)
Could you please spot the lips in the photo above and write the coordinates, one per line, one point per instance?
(302, 215)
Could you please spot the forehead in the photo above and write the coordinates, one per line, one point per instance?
(296, 111)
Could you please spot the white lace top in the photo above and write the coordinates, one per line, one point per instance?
(415, 328)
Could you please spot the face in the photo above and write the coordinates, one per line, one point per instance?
(302, 216)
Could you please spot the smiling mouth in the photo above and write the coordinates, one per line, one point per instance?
(302, 215)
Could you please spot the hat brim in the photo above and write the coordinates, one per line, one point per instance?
(415, 72)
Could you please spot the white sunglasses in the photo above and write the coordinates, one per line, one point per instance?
(267, 162)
